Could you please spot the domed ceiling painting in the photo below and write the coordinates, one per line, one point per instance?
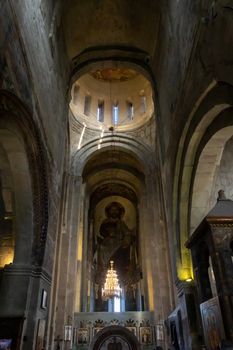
(114, 75)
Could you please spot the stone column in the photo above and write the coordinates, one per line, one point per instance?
(142, 251)
(17, 280)
(75, 232)
(84, 271)
(158, 265)
(67, 258)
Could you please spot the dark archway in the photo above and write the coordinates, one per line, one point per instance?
(212, 114)
(22, 277)
(16, 119)
(115, 331)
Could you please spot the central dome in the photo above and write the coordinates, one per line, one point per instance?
(114, 96)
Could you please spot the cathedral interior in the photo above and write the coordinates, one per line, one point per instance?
(116, 174)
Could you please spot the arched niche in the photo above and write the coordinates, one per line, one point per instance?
(21, 196)
(212, 174)
(140, 144)
(7, 211)
(112, 175)
(116, 240)
(21, 278)
(114, 164)
(118, 332)
(21, 142)
(212, 112)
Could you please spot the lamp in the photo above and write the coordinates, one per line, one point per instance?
(189, 279)
(111, 286)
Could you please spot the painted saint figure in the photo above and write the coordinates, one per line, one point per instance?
(115, 242)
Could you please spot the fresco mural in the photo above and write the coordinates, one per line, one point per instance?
(114, 75)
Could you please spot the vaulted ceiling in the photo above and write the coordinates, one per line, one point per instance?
(96, 23)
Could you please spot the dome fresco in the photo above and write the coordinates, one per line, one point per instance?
(114, 74)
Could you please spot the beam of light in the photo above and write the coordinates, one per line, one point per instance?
(117, 305)
(81, 137)
(101, 139)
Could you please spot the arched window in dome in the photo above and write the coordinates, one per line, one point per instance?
(87, 105)
(115, 113)
(76, 94)
(130, 110)
(143, 102)
(100, 111)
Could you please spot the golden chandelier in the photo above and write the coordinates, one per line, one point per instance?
(111, 286)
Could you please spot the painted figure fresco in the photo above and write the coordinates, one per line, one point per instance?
(116, 242)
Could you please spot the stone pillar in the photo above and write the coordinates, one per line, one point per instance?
(13, 290)
(66, 258)
(19, 298)
(84, 271)
(142, 244)
(158, 265)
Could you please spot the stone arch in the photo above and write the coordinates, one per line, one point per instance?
(16, 122)
(106, 56)
(112, 173)
(138, 60)
(204, 176)
(22, 190)
(127, 144)
(210, 114)
(118, 331)
(24, 277)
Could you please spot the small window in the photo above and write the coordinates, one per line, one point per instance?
(75, 94)
(115, 113)
(117, 305)
(130, 110)
(100, 111)
(143, 102)
(87, 105)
